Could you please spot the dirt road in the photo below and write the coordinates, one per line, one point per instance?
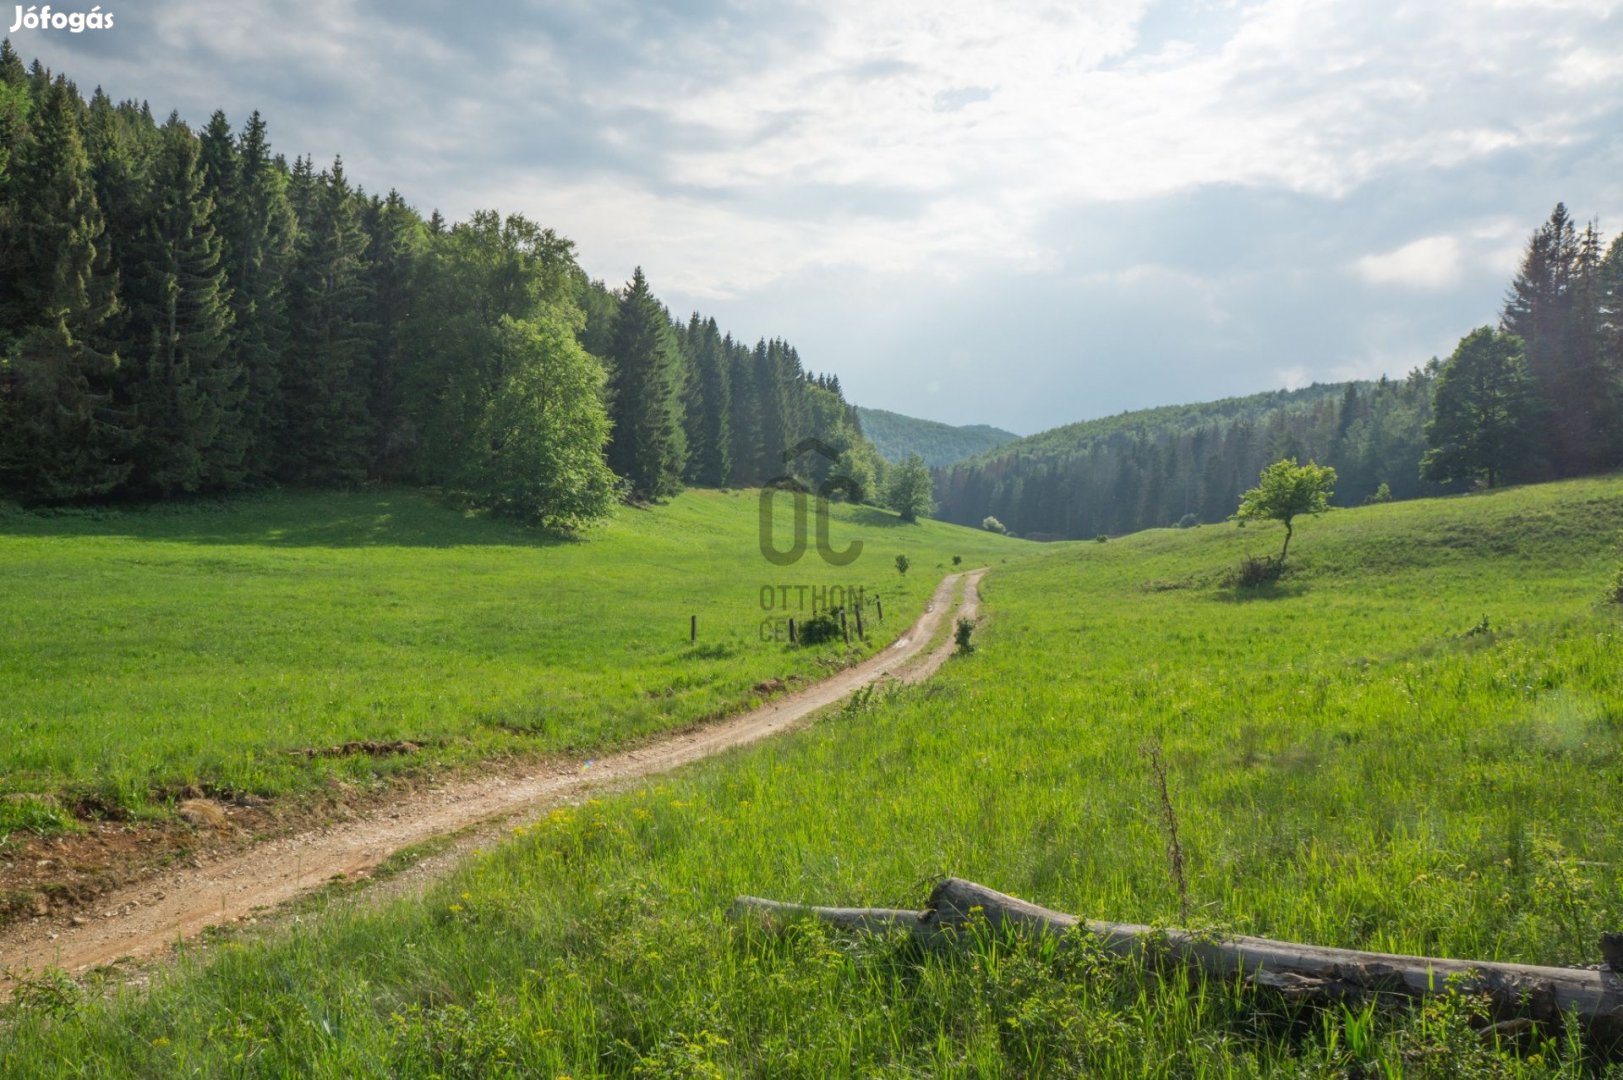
(147, 918)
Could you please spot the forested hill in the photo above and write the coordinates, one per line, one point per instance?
(897, 436)
(187, 311)
(1155, 467)
(1539, 397)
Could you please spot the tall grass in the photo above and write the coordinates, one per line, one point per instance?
(1349, 768)
(147, 652)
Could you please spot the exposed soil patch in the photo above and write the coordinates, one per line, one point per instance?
(369, 747)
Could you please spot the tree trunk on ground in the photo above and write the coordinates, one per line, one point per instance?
(1299, 972)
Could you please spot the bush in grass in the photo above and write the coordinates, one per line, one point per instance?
(902, 563)
(819, 628)
(957, 560)
(1189, 521)
(1255, 571)
(1383, 494)
(993, 525)
(966, 627)
(1101, 539)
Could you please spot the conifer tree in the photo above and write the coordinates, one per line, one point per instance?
(648, 447)
(708, 405)
(258, 232)
(185, 387)
(326, 431)
(395, 244)
(59, 439)
(743, 415)
(771, 434)
(1542, 310)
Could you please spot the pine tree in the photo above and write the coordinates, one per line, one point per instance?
(14, 106)
(707, 406)
(185, 387)
(59, 439)
(396, 237)
(326, 433)
(648, 447)
(1539, 311)
(771, 435)
(258, 233)
(743, 415)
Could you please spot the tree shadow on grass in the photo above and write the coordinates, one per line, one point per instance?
(1245, 594)
(872, 517)
(292, 519)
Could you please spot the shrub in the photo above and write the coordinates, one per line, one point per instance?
(966, 627)
(1189, 521)
(957, 560)
(1383, 494)
(992, 524)
(902, 563)
(1101, 539)
(1255, 571)
(819, 629)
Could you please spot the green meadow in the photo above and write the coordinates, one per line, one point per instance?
(149, 652)
(1410, 743)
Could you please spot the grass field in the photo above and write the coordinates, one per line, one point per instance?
(145, 653)
(1350, 765)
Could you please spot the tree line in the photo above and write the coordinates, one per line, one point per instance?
(1186, 464)
(1538, 397)
(188, 312)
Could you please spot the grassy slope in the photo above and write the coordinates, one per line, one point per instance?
(1348, 769)
(148, 651)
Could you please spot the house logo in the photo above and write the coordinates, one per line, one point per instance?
(835, 484)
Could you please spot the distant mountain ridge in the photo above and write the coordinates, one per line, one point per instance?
(896, 436)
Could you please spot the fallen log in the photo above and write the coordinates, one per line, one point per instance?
(1548, 995)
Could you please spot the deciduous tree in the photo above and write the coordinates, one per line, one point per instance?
(1481, 427)
(1287, 491)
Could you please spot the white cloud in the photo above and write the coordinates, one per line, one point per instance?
(757, 159)
(1432, 262)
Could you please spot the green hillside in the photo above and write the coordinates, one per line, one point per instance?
(1154, 467)
(896, 436)
(143, 652)
(1350, 765)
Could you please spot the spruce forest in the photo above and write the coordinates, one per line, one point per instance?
(188, 312)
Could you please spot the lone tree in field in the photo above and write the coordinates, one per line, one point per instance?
(1480, 426)
(910, 491)
(1288, 490)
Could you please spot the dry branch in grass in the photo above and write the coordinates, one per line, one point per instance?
(1518, 992)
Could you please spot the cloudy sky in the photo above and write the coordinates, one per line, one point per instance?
(1012, 213)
